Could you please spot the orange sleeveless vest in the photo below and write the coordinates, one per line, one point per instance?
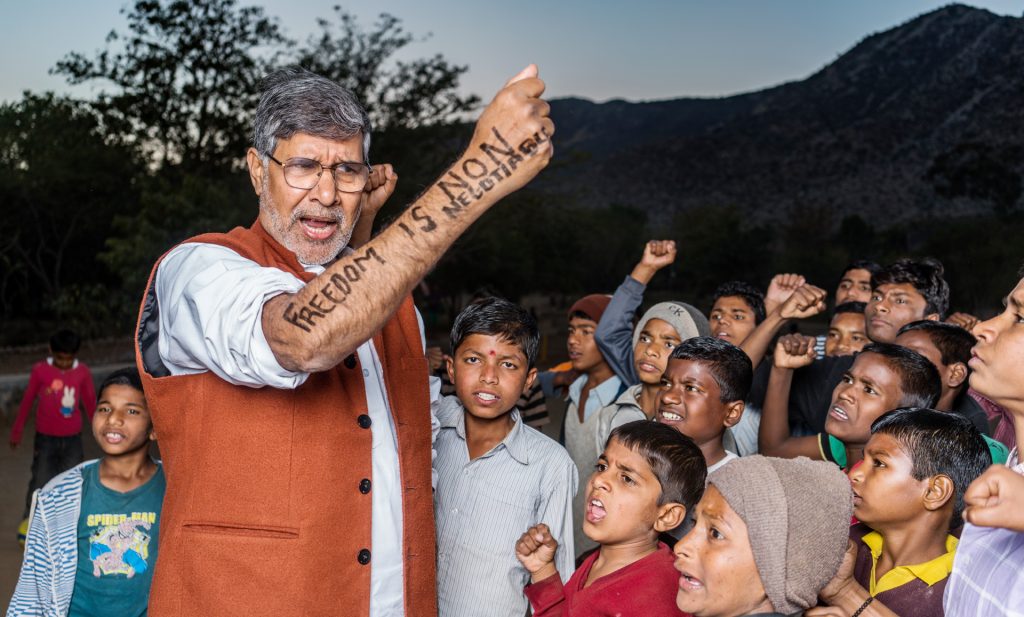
(268, 506)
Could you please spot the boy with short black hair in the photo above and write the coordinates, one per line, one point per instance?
(93, 539)
(596, 388)
(702, 394)
(949, 349)
(496, 475)
(846, 332)
(908, 496)
(646, 480)
(64, 388)
(738, 308)
(769, 534)
(905, 291)
(882, 378)
(855, 282)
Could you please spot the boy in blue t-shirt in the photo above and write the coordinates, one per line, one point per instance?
(92, 540)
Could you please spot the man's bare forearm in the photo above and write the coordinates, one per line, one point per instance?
(317, 327)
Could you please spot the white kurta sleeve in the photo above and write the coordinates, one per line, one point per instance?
(211, 308)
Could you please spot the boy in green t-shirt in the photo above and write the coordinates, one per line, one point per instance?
(883, 377)
(92, 540)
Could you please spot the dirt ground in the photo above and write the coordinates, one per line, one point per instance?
(102, 356)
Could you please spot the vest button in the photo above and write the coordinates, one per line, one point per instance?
(350, 362)
(364, 421)
(364, 486)
(364, 556)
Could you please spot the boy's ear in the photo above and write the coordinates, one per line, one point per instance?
(531, 377)
(957, 375)
(940, 492)
(932, 317)
(152, 434)
(733, 413)
(670, 516)
(449, 364)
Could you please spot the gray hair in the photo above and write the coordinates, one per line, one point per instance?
(294, 100)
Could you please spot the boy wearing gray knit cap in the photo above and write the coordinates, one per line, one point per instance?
(769, 534)
(640, 355)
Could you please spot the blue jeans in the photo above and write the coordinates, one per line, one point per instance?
(51, 456)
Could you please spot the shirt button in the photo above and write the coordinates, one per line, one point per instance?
(364, 486)
(364, 421)
(366, 372)
(364, 556)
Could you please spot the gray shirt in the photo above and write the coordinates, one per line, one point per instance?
(484, 505)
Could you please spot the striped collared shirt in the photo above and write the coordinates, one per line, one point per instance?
(988, 570)
(484, 505)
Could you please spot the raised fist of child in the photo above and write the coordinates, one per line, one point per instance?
(794, 351)
(996, 499)
(964, 320)
(805, 301)
(536, 551)
(780, 289)
(657, 255)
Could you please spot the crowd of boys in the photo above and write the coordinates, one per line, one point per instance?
(707, 465)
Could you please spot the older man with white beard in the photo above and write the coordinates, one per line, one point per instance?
(285, 370)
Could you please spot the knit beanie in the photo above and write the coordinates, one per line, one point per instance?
(797, 513)
(687, 320)
(592, 306)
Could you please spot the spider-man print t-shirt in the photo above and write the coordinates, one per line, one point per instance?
(117, 540)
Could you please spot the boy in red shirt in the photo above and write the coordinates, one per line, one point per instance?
(645, 481)
(64, 388)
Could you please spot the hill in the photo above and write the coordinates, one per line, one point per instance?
(924, 119)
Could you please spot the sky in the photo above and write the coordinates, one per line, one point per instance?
(597, 49)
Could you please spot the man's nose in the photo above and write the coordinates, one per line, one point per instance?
(326, 190)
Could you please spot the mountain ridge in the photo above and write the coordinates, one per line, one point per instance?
(909, 122)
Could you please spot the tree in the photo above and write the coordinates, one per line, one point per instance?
(185, 78)
(61, 182)
(398, 94)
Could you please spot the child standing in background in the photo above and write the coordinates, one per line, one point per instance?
(64, 389)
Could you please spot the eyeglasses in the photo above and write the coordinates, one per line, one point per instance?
(304, 174)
